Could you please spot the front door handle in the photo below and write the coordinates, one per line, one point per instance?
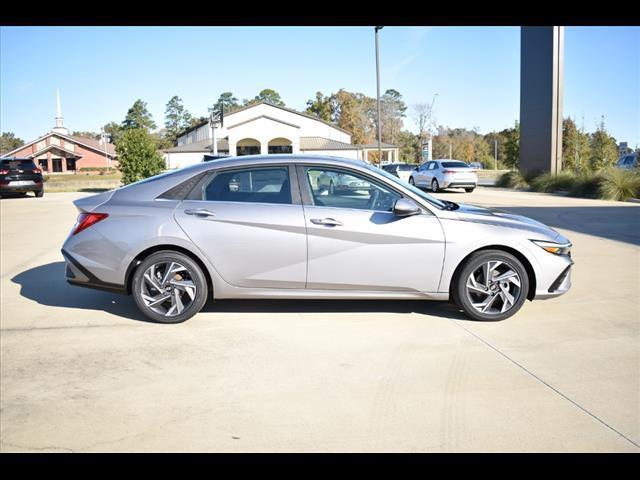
(200, 212)
(327, 221)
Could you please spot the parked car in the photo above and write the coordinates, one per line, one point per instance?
(400, 170)
(477, 165)
(441, 174)
(338, 182)
(628, 162)
(20, 175)
(175, 240)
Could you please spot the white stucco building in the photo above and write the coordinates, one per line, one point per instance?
(263, 129)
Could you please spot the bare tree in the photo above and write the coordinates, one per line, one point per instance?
(423, 117)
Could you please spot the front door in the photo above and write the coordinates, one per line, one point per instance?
(250, 225)
(355, 242)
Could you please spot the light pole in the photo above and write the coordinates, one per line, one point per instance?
(430, 144)
(378, 96)
(214, 144)
(105, 139)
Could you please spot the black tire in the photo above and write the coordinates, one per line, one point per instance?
(435, 186)
(39, 193)
(196, 274)
(412, 181)
(469, 190)
(459, 290)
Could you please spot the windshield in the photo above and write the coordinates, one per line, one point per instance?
(432, 200)
(406, 168)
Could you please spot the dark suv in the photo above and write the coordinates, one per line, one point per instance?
(20, 175)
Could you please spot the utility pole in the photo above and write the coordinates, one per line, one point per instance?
(495, 142)
(214, 143)
(378, 96)
(105, 139)
(430, 144)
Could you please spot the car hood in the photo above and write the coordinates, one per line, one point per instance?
(500, 218)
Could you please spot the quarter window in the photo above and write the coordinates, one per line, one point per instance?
(258, 185)
(341, 189)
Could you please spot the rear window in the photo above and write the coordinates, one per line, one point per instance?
(18, 165)
(455, 165)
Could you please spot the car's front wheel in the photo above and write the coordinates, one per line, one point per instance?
(492, 285)
(412, 181)
(169, 287)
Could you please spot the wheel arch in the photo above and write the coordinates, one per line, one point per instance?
(157, 248)
(523, 259)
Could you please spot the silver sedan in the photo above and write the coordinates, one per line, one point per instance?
(440, 174)
(267, 227)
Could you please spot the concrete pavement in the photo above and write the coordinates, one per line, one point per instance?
(80, 370)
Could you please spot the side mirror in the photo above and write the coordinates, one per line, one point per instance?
(416, 169)
(406, 208)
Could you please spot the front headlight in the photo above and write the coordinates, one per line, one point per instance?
(553, 247)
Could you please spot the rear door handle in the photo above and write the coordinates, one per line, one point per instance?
(327, 221)
(200, 212)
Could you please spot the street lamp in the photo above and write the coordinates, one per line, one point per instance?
(430, 132)
(104, 137)
(378, 96)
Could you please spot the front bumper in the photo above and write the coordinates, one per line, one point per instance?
(559, 286)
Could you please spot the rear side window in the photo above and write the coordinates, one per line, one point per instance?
(18, 165)
(455, 165)
(257, 185)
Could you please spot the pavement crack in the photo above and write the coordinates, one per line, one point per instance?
(551, 387)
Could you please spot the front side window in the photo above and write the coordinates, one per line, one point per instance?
(342, 189)
(256, 185)
(433, 166)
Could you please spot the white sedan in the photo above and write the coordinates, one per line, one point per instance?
(440, 174)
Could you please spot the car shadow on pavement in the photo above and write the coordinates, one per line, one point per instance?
(46, 285)
(615, 223)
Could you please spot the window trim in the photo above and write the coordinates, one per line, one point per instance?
(307, 196)
(293, 183)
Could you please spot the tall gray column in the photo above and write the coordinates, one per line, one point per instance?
(541, 88)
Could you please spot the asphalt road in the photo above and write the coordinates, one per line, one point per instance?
(80, 370)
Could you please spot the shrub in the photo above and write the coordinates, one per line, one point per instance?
(586, 185)
(513, 179)
(550, 182)
(618, 184)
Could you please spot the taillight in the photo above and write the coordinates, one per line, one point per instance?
(4, 172)
(36, 170)
(448, 171)
(85, 220)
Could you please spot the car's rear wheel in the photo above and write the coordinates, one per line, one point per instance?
(169, 287)
(492, 285)
(469, 190)
(434, 186)
(412, 181)
(39, 193)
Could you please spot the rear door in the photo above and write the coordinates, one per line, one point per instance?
(249, 222)
(355, 242)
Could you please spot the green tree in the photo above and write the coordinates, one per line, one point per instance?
(512, 146)
(137, 156)
(226, 103)
(8, 142)
(267, 95)
(321, 107)
(604, 149)
(86, 134)
(176, 119)
(576, 151)
(409, 143)
(114, 130)
(139, 116)
(392, 111)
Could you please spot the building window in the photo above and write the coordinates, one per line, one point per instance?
(44, 165)
(280, 145)
(57, 165)
(71, 164)
(248, 146)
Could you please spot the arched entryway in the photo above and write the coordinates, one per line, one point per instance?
(280, 145)
(248, 146)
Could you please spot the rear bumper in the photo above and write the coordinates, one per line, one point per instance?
(8, 188)
(78, 275)
(458, 184)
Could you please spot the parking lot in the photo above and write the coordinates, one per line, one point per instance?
(82, 371)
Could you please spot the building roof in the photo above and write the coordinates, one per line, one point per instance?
(375, 145)
(201, 146)
(321, 143)
(313, 117)
(86, 142)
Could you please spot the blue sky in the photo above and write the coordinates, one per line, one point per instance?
(101, 71)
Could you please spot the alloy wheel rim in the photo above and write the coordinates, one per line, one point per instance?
(494, 287)
(434, 185)
(167, 288)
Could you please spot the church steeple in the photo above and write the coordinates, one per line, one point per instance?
(59, 128)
